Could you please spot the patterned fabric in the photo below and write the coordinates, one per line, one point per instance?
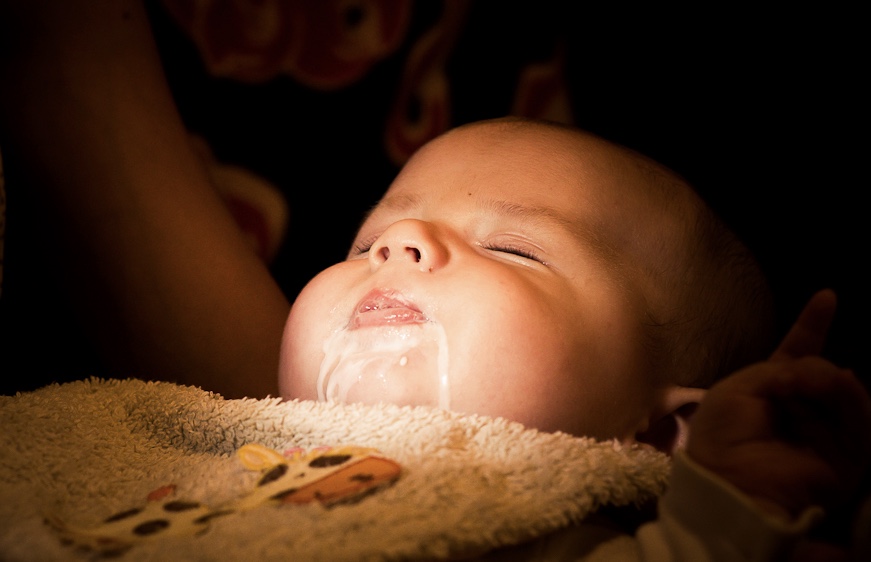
(170, 472)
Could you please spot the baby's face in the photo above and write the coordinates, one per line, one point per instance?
(492, 278)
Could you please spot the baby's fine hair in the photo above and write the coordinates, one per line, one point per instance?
(721, 320)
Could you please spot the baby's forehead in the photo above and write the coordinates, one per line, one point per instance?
(538, 164)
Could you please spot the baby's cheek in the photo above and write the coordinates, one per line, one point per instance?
(298, 362)
(294, 383)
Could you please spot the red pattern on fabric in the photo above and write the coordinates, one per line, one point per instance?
(325, 44)
(422, 107)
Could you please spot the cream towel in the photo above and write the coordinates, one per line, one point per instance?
(86, 450)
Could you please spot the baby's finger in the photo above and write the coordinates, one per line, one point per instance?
(808, 334)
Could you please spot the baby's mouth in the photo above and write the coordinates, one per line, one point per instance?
(381, 307)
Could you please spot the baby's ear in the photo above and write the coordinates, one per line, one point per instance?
(667, 426)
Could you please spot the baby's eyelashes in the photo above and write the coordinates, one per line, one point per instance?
(362, 246)
(514, 250)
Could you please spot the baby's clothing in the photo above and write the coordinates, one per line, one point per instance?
(700, 518)
(79, 453)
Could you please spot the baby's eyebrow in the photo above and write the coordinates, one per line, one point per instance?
(399, 203)
(402, 201)
(586, 233)
(535, 213)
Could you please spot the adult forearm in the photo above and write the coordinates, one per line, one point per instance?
(87, 120)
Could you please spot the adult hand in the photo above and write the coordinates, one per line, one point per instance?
(792, 431)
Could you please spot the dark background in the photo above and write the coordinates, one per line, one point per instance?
(762, 109)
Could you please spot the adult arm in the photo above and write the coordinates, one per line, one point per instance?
(88, 123)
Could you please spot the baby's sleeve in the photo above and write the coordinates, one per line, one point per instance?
(704, 518)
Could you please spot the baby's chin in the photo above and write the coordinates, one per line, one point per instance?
(405, 365)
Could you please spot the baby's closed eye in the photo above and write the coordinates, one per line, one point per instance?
(514, 249)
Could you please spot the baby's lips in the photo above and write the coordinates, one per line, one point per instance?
(381, 307)
(391, 316)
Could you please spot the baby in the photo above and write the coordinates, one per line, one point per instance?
(539, 273)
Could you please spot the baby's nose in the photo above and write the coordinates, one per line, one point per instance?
(410, 240)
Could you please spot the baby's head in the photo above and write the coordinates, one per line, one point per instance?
(534, 272)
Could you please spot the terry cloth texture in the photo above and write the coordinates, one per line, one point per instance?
(83, 451)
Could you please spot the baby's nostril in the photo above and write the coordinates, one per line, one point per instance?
(415, 253)
(385, 253)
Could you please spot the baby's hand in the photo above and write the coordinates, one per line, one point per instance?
(790, 432)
